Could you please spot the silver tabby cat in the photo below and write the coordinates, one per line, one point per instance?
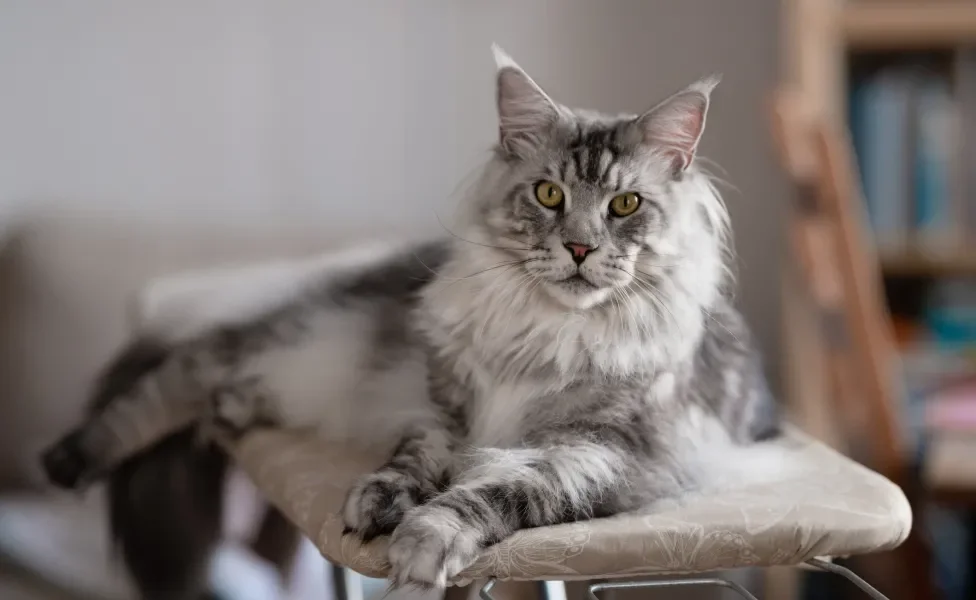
(571, 353)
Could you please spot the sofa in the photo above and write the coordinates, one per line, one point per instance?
(67, 283)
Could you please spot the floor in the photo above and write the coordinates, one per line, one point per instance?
(18, 585)
(69, 545)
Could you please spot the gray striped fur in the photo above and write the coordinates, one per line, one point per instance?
(520, 387)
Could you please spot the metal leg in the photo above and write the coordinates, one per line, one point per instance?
(669, 583)
(552, 590)
(485, 592)
(555, 590)
(848, 575)
(454, 592)
(346, 583)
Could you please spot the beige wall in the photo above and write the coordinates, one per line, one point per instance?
(354, 112)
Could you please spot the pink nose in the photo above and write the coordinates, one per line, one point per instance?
(579, 251)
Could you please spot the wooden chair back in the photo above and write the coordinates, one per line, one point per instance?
(841, 276)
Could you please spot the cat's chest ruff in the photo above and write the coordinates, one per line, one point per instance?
(501, 413)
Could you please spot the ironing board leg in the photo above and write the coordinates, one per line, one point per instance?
(556, 590)
(485, 592)
(552, 590)
(346, 584)
(849, 575)
(669, 583)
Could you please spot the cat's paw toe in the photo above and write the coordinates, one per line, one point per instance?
(377, 502)
(429, 548)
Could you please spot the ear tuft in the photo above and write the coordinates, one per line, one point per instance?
(502, 59)
(675, 126)
(706, 84)
(525, 113)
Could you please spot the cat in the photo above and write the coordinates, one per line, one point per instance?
(571, 351)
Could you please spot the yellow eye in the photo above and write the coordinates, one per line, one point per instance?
(623, 205)
(549, 194)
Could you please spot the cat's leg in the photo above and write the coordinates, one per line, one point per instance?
(420, 466)
(417, 470)
(563, 479)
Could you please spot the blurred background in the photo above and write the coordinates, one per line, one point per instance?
(140, 139)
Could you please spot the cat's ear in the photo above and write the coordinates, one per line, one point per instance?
(675, 126)
(525, 113)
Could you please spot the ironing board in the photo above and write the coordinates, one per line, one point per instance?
(828, 506)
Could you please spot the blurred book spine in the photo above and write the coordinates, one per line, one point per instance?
(965, 76)
(936, 188)
(880, 122)
(915, 156)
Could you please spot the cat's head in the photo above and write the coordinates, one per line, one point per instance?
(587, 203)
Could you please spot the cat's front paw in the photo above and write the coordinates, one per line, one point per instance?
(431, 546)
(377, 503)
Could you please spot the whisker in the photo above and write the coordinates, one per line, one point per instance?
(456, 236)
(653, 295)
(619, 302)
(510, 264)
(646, 262)
(642, 327)
(421, 261)
(664, 306)
(720, 324)
(651, 289)
(513, 263)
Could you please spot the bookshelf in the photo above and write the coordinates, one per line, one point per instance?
(907, 24)
(902, 30)
(832, 50)
(828, 47)
(913, 262)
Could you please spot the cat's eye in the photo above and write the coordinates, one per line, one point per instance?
(624, 205)
(548, 194)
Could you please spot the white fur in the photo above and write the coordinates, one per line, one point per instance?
(321, 382)
(180, 306)
(716, 463)
(430, 546)
(324, 384)
(578, 468)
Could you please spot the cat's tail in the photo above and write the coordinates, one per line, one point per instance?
(164, 487)
(144, 395)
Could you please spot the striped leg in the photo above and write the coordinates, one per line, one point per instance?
(506, 491)
(417, 470)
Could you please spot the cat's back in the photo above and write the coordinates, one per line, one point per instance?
(727, 377)
(358, 371)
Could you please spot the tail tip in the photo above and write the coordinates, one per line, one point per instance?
(65, 463)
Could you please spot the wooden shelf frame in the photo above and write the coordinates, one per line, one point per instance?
(906, 25)
(829, 385)
(959, 262)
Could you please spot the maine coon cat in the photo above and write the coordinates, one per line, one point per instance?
(571, 352)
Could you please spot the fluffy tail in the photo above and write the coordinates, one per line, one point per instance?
(142, 397)
(165, 511)
(164, 501)
(164, 486)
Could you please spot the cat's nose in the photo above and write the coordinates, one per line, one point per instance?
(579, 252)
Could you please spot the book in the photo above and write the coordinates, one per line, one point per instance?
(881, 118)
(965, 80)
(936, 149)
(952, 408)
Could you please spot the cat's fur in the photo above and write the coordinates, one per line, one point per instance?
(526, 387)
